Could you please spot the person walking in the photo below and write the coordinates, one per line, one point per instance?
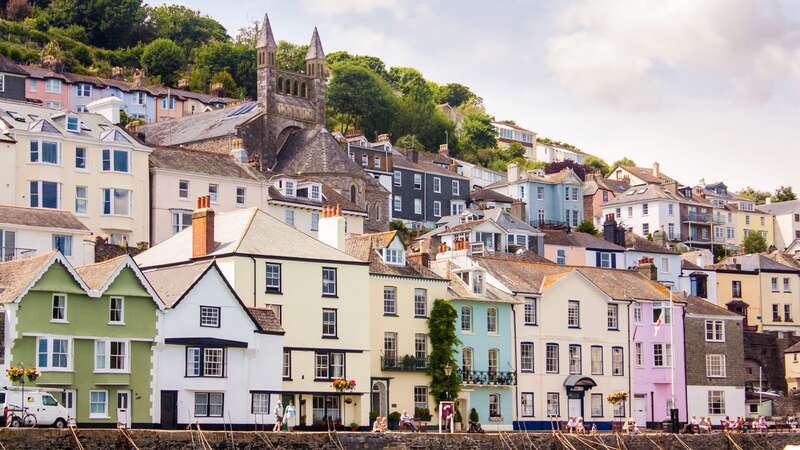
(289, 414)
(278, 416)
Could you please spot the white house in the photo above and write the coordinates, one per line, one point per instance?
(26, 232)
(216, 360)
(696, 278)
(644, 209)
(666, 261)
(786, 222)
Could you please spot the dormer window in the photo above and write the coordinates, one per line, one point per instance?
(477, 282)
(394, 256)
(73, 124)
(315, 192)
(289, 188)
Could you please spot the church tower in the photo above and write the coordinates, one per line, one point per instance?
(265, 61)
(315, 68)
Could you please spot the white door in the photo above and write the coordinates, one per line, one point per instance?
(574, 407)
(640, 410)
(124, 408)
(68, 401)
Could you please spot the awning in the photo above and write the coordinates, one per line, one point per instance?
(579, 383)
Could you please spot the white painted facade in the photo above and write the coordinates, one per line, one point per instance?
(787, 229)
(697, 398)
(21, 242)
(668, 265)
(258, 367)
(554, 153)
(659, 216)
(479, 176)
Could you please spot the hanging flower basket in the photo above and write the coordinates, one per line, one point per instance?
(617, 397)
(343, 385)
(15, 374)
(32, 374)
(348, 400)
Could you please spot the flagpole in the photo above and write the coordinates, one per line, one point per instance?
(672, 352)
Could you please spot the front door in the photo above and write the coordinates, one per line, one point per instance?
(574, 406)
(169, 409)
(124, 408)
(68, 401)
(640, 410)
(380, 398)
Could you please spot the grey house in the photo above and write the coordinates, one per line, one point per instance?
(715, 374)
(12, 80)
(426, 187)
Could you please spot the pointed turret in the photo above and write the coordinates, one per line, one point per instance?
(315, 57)
(265, 37)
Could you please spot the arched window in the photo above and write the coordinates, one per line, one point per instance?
(304, 92)
(466, 360)
(280, 85)
(294, 88)
(353, 193)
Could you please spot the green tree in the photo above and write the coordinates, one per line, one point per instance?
(477, 132)
(108, 23)
(236, 58)
(291, 57)
(229, 87)
(442, 331)
(454, 94)
(164, 59)
(358, 98)
(402, 230)
(622, 162)
(410, 83)
(598, 165)
(370, 62)
(410, 141)
(783, 194)
(184, 26)
(247, 35)
(754, 195)
(586, 226)
(754, 242)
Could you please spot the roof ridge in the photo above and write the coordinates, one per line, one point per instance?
(254, 210)
(106, 261)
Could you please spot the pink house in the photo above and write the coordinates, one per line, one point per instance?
(659, 363)
(49, 87)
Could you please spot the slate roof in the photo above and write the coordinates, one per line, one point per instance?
(646, 175)
(703, 307)
(200, 127)
(550, 178)
(648, 192)
(315, 47)
(578, 239)
(40, 218)
(793, 349)
(265, 36)
(488, 195)
(637, 243)
(754, 261)
(248, 231)
(593, 184)
(171, 283)
(508, 221)
(779, 208)
(198, 161)
(367, 247)
(8, 66)
(266, 319)
(315, 151)
(17, 275)
(329, 197)
(688, 265)
(426, 162)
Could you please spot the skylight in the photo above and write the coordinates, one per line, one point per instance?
(242, 109)
(16, 116)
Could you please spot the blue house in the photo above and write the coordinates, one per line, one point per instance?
(550, 199)
(485, 327)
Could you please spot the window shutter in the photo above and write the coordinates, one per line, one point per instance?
(613, 260)
(597, 259)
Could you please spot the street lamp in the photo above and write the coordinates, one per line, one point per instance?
(448, 369)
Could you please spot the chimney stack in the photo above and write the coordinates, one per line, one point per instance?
(238, 152)
(331, 227)
(202, 228)
(419, 258)
(518, 210)
(217, 89)
(647, 268)
(453, 166)
(512, 172)
(768, 200)
(108, 107)
(183, 83)
(116, 73)
(610, 229)
(444, 150)
(656, 170)
(383, 137)
(412, 155)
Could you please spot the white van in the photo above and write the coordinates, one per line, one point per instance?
(40, 404)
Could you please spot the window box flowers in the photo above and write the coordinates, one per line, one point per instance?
(343, 385)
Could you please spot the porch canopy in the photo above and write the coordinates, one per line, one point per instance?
(579, 383)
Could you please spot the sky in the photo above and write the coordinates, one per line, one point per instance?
(708, 89)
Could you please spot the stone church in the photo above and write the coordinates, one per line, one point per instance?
(283, 132)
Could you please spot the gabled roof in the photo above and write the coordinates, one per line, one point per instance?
(246, 232)
(459, 290)
(18, 277)
(578, 239)
(199, 127)
(779, 208)
(565, 175)
(315, 151)
(508, 221)
(488, 195)
(639, 244)
(198, 161)
(40, 218)
(593, 184)
(703, 307)
(755, 261)
(99, 276)
(426, 162)
(367, 247)
(646, 175)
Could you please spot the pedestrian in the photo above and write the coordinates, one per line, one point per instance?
(288, 415)
(278, 416)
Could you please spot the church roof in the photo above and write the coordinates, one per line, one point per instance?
(265, 37)
(315, 150)
(200, 127)
(315, 47)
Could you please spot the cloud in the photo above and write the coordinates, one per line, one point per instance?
(350, 7)
(632, 51)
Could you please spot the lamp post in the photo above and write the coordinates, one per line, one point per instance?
(448, 370)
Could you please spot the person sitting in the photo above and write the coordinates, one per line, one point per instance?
(407, 422)
(580, 428)
(761, 424)
(705, 425)
(475, 427)
(380, 425)
(630, 426)
(571, 425)
(725, 423)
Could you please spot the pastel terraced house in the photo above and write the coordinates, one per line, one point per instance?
(78, 162)
(89, 330)
(786, 223)
(402, 291)
(316, 290)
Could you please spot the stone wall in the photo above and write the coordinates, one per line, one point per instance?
(766, 350)
(23, 439)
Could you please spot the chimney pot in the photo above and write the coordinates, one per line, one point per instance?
(444, 150)
(656, 170)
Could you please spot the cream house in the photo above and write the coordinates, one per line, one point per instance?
(402, 291)
(319, 293)
(79, 162)
(178, 176)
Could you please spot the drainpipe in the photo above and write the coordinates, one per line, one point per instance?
(255, 302)
(516, 372)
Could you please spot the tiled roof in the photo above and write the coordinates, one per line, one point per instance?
(96, 275)
(8, 66)
(366, 247)
(198, 161)
(488, 195)
(329, 197)
(793, 349)
(245, 231)
(688, 265)
(647, 176)
(703, 307)
(754, 261)
(266, 319)
(40, 217)
(640, 244)
(593, 184)
(16, 276)
(171, 283)
(779, 208)
(578, 239)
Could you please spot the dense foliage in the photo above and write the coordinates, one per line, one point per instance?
(754, 242)
(442, 326)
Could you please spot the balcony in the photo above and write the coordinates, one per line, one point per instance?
(13, 253)
(407, 363)
(548, 224)
(488, 378)
(696, 217)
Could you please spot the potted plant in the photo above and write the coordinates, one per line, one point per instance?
(394, 420)
(408, 362)
(422, 414)
(353, 426)
(373, 415)
(473, 416)
(458, 419)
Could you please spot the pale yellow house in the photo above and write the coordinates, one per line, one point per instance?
(748, 221)
(792, 366)
(764, 288)
(319, 293)
(78, 162)
(402, 292)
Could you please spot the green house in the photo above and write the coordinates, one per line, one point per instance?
(89, 331)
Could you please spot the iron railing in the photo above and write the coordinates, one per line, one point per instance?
(12, 253)
(488, 377)
(407, 363)
(697, 217)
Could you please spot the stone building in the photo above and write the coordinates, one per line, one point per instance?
(283, 131)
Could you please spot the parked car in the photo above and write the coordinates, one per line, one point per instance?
(42, 405)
